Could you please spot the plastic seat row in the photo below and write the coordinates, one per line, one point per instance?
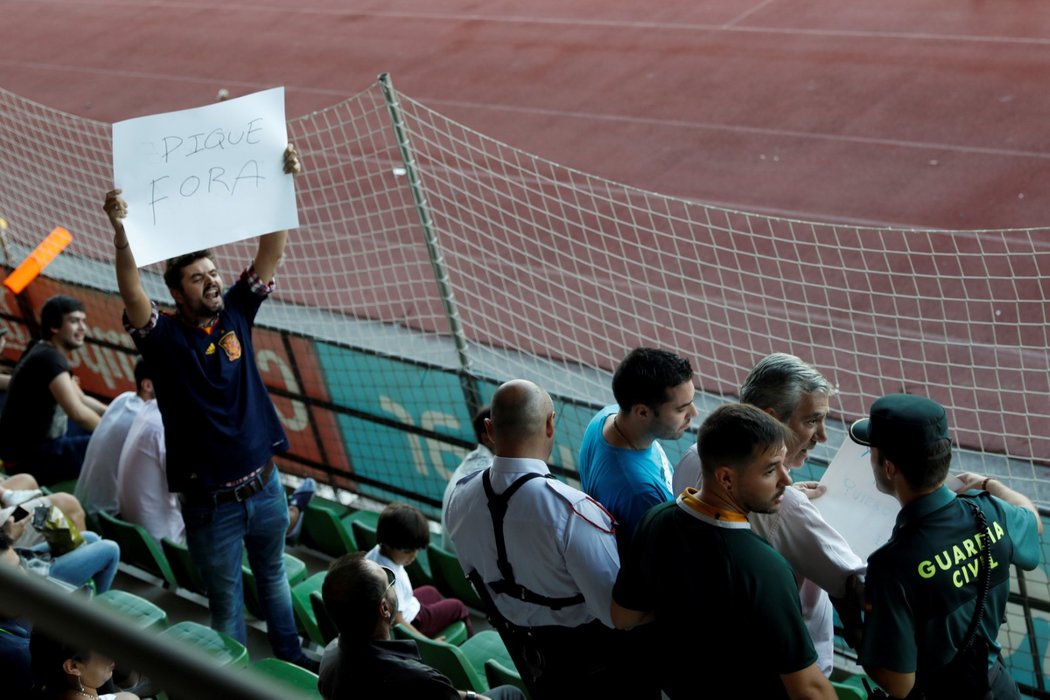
(170, 561)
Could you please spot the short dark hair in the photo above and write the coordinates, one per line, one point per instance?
(734, 433)
(174, 267)
(645, 376)
(402, 526)
(141, 373)
(352, 595)
(54, 310)
(922, 470)
(483, 413)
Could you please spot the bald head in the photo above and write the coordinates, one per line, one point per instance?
(522, 422)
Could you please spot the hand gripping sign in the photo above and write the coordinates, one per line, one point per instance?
(203, 177)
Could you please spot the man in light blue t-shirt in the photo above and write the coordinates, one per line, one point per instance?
(621, 464)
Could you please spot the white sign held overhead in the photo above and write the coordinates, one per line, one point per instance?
(203, 177)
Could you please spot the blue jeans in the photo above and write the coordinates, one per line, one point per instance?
(217, 535)
(96, 560)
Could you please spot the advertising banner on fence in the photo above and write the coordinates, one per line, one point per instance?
(202, 177)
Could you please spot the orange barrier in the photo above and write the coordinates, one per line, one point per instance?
(47, 251)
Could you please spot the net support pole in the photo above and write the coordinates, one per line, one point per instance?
(468, 382)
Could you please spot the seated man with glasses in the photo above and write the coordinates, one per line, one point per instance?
(363, 661)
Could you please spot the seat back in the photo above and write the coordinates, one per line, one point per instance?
(185, 571)
(325, 624)
(497, 674)
(289, 675)
(305, 617)
(137, 547)
(324, 530)
(222, 648)
(449, 577)
(447, 659)
(137, 610)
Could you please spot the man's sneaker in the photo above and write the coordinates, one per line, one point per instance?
(300, 499)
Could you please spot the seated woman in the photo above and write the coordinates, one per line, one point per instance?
(95, 560)
(401, 532)
(63, 672)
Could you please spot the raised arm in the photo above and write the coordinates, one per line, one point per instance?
(136, 301)
(271, 245)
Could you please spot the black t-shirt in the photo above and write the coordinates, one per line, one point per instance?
(376, 669)
(31, 415)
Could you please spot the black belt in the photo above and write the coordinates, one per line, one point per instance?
(239, 493)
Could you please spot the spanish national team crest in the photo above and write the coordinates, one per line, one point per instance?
(231, 346)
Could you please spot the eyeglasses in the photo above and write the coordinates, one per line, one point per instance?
(391, 577)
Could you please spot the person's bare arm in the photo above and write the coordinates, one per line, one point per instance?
(90, 401)
(999, 490)
(136, 301)
(896, 684)
(69, 396)
(271, 245)
(808, 684)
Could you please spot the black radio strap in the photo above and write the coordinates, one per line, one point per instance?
(508, 585)
(986, 575)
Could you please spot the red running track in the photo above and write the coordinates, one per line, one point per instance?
(922, 114)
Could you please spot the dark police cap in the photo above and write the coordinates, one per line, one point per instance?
(906, 421)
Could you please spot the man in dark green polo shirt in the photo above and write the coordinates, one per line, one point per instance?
(922, 586)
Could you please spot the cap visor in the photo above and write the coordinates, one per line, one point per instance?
(860, 432)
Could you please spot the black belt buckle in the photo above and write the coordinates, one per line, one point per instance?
(245, 491)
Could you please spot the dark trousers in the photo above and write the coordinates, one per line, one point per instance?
(573, 662)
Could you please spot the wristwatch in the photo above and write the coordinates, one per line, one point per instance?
(471, 695)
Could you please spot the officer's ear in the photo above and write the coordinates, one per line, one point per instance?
(488, 431)
(550, 424)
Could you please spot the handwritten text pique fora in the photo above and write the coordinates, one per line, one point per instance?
(203, 177)
(216, 181)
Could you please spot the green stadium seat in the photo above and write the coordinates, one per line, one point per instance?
(845, 691)
(141, 612)
(294, 569)
(325, 625)
(305, 617)
(464, 665)
(289, 675)
(363, 525)
(137, 547)
(324, 529)
(420, 571)
(497, 674)
(223, 649)
(185, 571)
(450, 579)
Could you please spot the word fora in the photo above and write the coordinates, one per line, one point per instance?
(217, 181)
(964, 553)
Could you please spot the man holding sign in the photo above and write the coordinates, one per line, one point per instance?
(944, 576)
(221, 429)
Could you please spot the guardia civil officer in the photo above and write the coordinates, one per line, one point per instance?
(543, 556)
(936, 592)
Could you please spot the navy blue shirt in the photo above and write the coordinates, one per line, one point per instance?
(219, 422)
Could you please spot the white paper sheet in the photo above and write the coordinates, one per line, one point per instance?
(203, 177)
(861, 513)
